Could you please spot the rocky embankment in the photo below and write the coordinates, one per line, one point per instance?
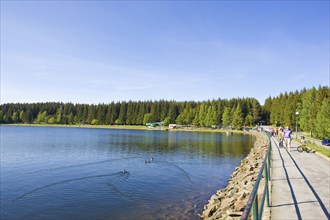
(229, 203)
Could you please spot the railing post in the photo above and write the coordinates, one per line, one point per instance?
(266, 185)
(269, 154)
(255, 207)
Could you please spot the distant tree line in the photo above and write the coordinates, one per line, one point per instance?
(309, 108)
(312, 104)
(235, 112)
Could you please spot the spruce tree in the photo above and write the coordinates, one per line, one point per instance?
(2, 117)
(226, 119)
(248, 120)
(322, 125)
(306, 119)
(122, 113)
(15, 117)
(130, 113)
(237, 121)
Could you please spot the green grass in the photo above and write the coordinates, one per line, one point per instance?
(319, 149)
(132, 127)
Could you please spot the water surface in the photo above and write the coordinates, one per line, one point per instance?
(74, 173)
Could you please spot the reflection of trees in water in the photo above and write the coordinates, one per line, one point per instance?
(210, 144)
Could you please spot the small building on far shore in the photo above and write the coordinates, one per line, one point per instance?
(172, 126)
(154, 124)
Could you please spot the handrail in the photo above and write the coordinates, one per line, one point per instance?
(253, 199)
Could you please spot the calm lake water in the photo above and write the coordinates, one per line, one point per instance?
(75, 173)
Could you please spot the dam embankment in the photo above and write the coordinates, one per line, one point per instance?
(229, 203)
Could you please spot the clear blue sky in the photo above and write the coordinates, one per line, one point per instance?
(103, 51)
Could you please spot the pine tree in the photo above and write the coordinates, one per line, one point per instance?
(322, 125)
(289, 117)
(122, 113)
(321, 94)
(130, 113)
(70, 118)
(226, 118)
(108, 115)
(14, 117)
(202, 114)
(141, 113)
(166, 121)
(95, 122)
(306, 119)
(79, 116)
(101, 113)
(190, 116)
(148, 118)
(85, 114)
(266, 109)
(180, 119)
(172, 112)
(21, 116)
(51, 120)
(237, 121)
(195, 121)
(2, 117)
(248, 120)
(91, 114)
(256, 110)
(164, 110)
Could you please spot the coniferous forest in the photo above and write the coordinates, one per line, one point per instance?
(313, 106)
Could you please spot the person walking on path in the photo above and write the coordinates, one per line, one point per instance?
(287, 137)
(281, 137)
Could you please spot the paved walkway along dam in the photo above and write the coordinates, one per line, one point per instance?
(300, 184)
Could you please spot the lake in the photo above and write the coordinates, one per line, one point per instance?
(82, 173)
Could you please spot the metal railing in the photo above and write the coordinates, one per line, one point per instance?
(253, 199)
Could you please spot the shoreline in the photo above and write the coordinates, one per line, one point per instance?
(129, 127)
(230, 201)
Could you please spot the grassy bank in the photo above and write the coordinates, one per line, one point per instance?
(319, 149)
(129, 127)
(322, 150)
